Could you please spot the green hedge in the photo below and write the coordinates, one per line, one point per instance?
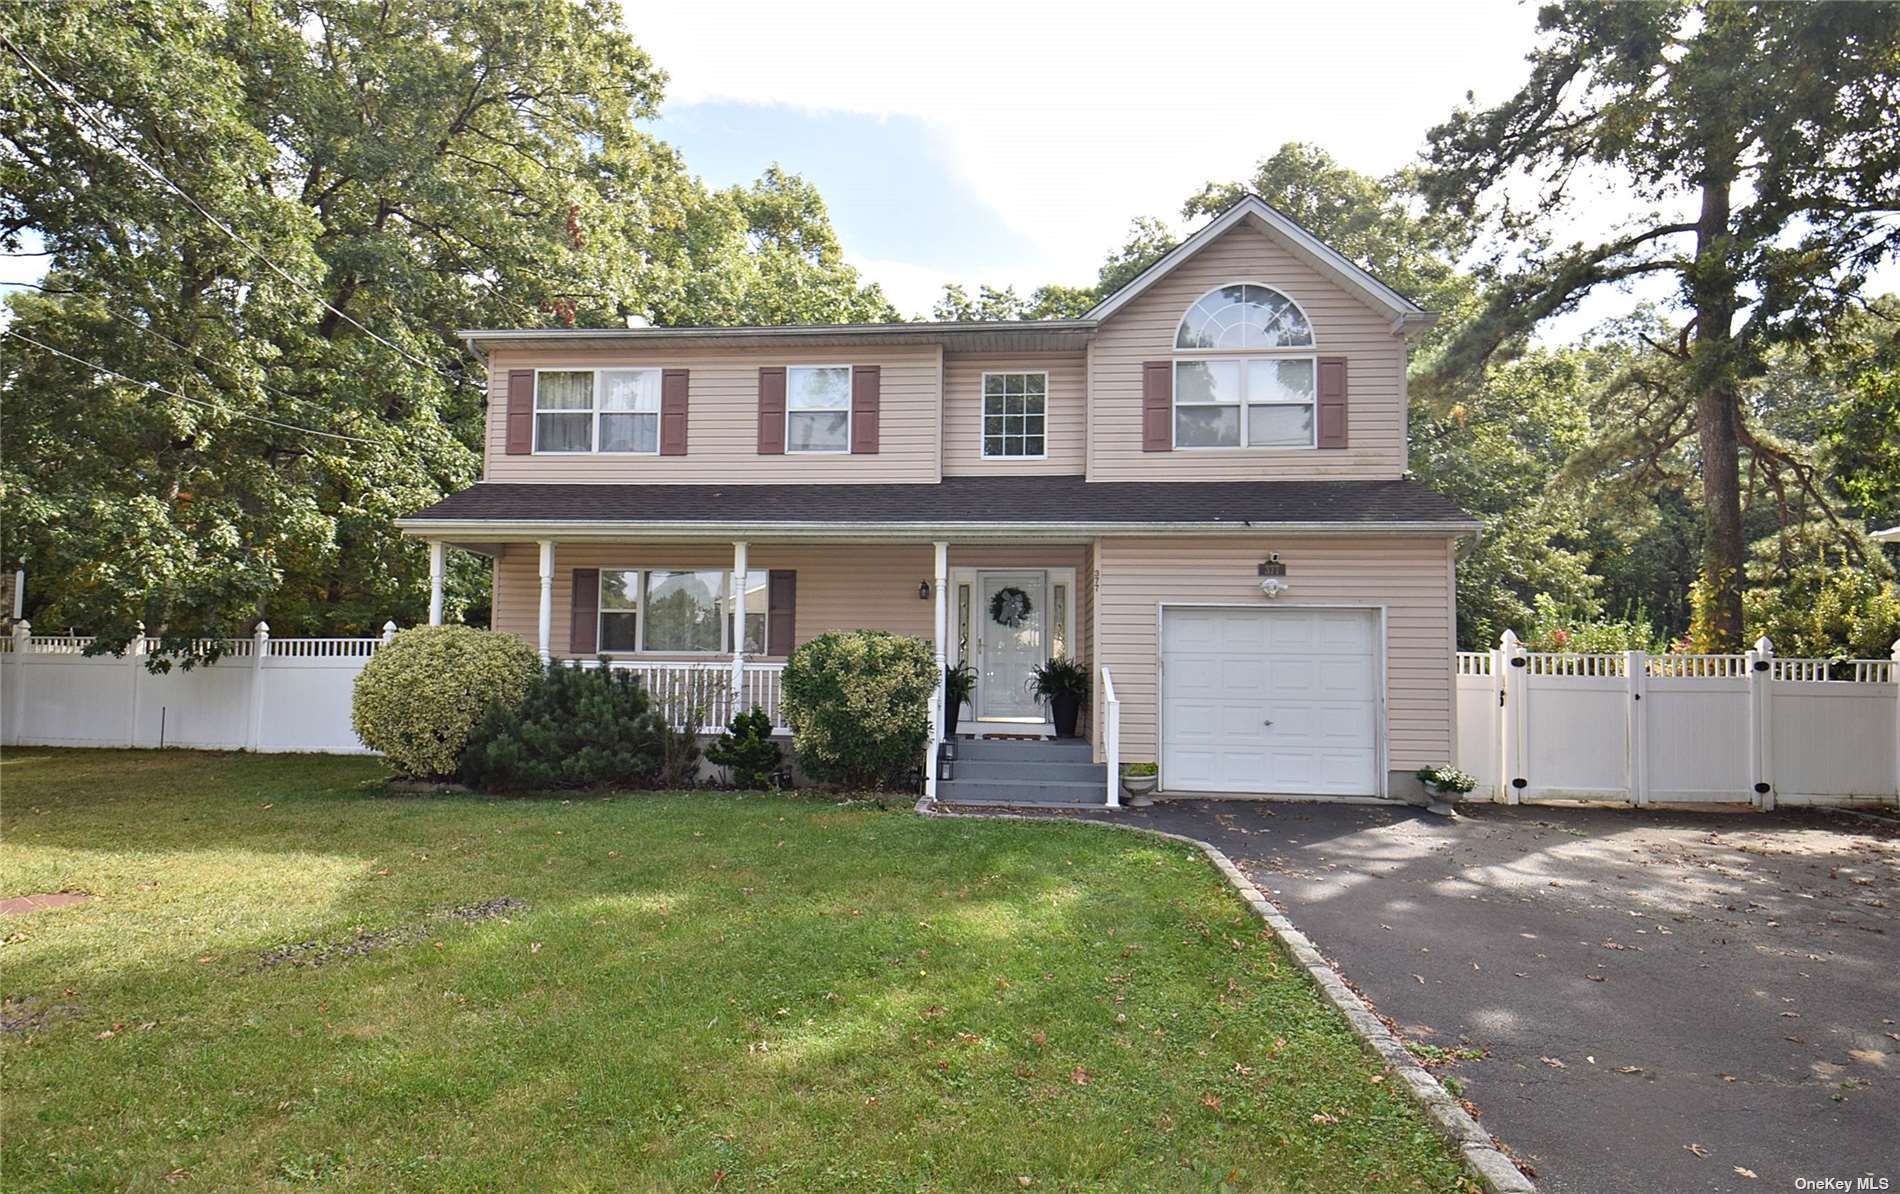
(579, 729)
(858, 703)
(420, 696)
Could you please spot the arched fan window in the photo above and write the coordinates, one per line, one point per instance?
(1244, 315)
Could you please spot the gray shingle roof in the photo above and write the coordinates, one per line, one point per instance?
(975, 500)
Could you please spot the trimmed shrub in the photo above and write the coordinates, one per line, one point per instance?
(421, 695)
(747, 750)
(573, 729)
(858, 703)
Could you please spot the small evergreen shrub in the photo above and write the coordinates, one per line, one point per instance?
(858, 703)
(573, 729)
(747, 750)
(422, 694)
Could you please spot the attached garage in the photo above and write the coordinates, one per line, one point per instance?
(1281, 700)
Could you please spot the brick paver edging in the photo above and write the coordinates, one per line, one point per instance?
(1481, 1153)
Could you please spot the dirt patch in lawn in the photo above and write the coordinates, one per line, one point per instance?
(322, 953)
(21, 1016)
(19, 905)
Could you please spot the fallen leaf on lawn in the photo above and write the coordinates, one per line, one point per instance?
(267, 806)
(1211, 1101)
(1378, 1078)
(1553, 1063)
(205, 961)
(1697, 1149)
(1744, 1171)
(534, 947)
(1041, 1039)
(1079, 1076)
(1320, 1117)
(1023, 1181)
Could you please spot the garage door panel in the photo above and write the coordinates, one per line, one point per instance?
(1286, 701)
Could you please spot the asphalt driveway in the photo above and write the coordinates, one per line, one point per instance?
(1663, 1000)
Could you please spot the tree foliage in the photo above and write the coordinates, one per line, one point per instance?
(1763, 138)
(410, 169)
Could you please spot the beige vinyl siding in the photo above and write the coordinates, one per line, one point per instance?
(723, 419)
(840, 586)
(1343, 325)
(963, 414)
(1408, 575)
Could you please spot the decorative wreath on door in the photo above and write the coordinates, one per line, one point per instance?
(1010, 607)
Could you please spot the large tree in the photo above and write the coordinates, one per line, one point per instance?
(1760, 142)
(344, 184)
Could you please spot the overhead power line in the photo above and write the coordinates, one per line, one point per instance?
(222, 409)
(73, 104)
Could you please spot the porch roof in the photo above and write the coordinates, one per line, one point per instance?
(1006, 507)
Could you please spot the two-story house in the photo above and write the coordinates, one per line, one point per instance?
(1197, 490)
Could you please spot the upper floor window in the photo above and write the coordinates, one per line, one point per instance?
(818, 408)
(1244, 316)
(1245, 378)
(597, 410)
(1014, 414)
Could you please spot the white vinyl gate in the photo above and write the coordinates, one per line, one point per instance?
(1650, 729)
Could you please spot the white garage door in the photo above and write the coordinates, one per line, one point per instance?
(1270, 700)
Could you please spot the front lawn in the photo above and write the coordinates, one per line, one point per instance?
(289, 976)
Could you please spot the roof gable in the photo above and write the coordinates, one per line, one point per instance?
(1405, 313)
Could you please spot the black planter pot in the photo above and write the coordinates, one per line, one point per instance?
(951, 715)
(1062, 709)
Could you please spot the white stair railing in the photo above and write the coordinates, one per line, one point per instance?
(1112, 737)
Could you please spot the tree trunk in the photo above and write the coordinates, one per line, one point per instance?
(1713, 293)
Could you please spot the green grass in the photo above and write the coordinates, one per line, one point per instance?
(704, 991)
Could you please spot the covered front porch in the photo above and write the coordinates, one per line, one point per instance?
(709, 625)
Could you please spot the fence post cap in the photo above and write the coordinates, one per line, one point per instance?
(263, 629)
(1508, 640)
(1895, 652)
(1764, 647)
(24, 629)
(389, 629)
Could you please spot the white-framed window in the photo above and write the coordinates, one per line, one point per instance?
(1015, 415)
(1244, 372)
(818, 408)
(683, 611)
(597, 410)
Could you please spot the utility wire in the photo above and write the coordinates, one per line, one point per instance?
(154, 386)
(73, 103)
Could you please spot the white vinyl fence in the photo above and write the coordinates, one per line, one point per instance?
(273, 694)
(264, 694)
(1647, 729)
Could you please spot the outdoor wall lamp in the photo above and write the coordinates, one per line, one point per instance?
(1273, 580)
(923, 590)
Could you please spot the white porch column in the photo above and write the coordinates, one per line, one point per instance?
(435, 582)
(738, 627)
(940, 639)
(546, 623)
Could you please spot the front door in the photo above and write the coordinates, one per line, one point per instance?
(1011, 612)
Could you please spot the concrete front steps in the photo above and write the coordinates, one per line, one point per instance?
(1059, 772)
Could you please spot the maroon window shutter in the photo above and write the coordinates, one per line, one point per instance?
(781, 618)
(673, 412)
(772, 410)
(866, 383)
(1157, 406)
(583, 630)
(1332, 402)
(520, 412)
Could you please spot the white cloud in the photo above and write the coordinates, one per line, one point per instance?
(1070, 120)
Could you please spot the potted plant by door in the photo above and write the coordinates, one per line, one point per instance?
(959, 680)
(1138, 783)
(1064, 683)
(1443, 785)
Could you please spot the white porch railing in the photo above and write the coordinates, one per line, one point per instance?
(1112, 737)
(702, 691)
